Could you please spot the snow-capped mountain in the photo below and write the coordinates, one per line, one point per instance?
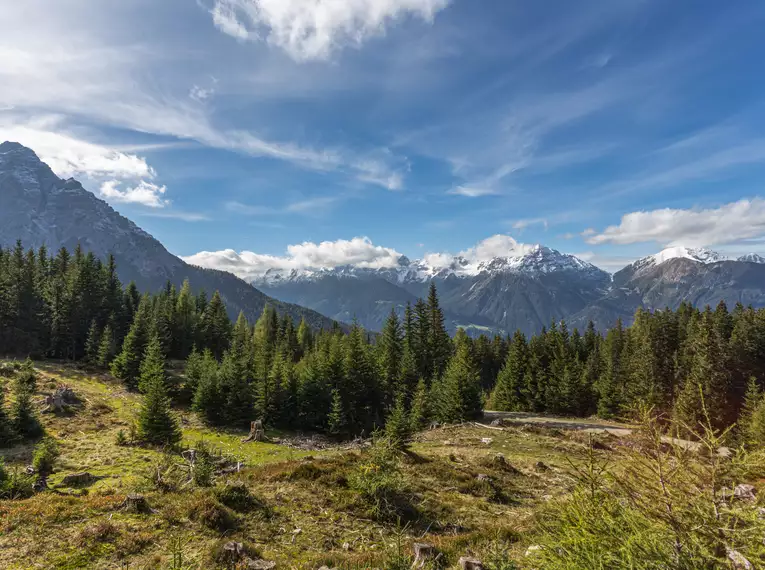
(524, 289)
(534, 260)
(752, 258)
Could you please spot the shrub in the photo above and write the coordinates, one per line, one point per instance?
(666, 507)
(45, 455)
(207, 511)
(15, 484)
(237, 496)
(121, 438)
(378, 480)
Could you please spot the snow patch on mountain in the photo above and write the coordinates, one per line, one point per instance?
(698, 254)
(533, 259)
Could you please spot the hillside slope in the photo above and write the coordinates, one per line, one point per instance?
(39, 208)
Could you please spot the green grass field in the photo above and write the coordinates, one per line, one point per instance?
(309, 513)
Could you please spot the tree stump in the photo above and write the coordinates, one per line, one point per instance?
(470, 563)
(135, 503)
(76, 479)
(40, 485)
(257, 433)
(423, 553)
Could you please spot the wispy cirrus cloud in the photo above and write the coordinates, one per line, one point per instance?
(315, 29)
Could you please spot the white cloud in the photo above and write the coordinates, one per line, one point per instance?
(473, 191)
(359, 251)
(315, 29)
(69, 156)
(694, 227)
(499, 245)
(525, 223)
(144, 193)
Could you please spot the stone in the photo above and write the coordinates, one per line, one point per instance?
(533, 549)
(76, 479)
(738, 560)
(498, 422)
(260, 565)
(540, 466)
(500, 460)
(745, 492)
(233, 551)
(483, 478)
(486, 440)
(40, 485)
(470, 563)
(423, 552)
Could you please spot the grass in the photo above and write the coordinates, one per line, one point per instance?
(299, 511)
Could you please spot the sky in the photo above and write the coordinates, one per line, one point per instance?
(325, 132)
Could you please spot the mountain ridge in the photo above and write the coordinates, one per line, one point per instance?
(39, 208)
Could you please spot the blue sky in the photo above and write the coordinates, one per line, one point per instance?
(604, 129)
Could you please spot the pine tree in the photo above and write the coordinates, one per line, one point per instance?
(106, 348)
(215, 327)
(439, 343)
(391, 348)
(458, 393)
(92, 344)
(24, 421)
(152, 365)
(127, 365)
(238, 400)
(420, 410)
(6, 428)
(157, 424)
(208, 399)
(752, 400)
(508, 393)
(337, 424)
(398, 426)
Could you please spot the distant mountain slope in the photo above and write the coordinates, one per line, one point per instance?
(523, 290)
(673, 276)
(39, 208)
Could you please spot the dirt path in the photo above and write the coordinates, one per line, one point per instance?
(590, 426)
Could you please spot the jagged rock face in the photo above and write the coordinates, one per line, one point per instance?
(41, 209)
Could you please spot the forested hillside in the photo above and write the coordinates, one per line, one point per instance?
(73, 307)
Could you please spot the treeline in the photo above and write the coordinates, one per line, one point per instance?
(687, 363)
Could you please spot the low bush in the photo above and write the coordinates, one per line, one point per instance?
(237, 496)
(45, 455)
(209, 512)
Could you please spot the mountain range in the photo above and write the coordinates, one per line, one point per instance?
(524, 289)
(39, 208)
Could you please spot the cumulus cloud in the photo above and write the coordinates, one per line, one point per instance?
(359, 251)
(315, 29)
(499, 245)
(144, 193)
(694, 227)
(69, 156)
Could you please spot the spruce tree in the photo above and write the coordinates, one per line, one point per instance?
(92, 343)
(157, 424)
(215, 327)
(127, 365)
(6, 428)
(152, 365)
(508, 393)
(420, 409)
(458, 395)
(752, 399)
(106, 348)
(208, 399)
(337, 423)
(398, 426)
(24, 420)
(391, 346)
(236, 392)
